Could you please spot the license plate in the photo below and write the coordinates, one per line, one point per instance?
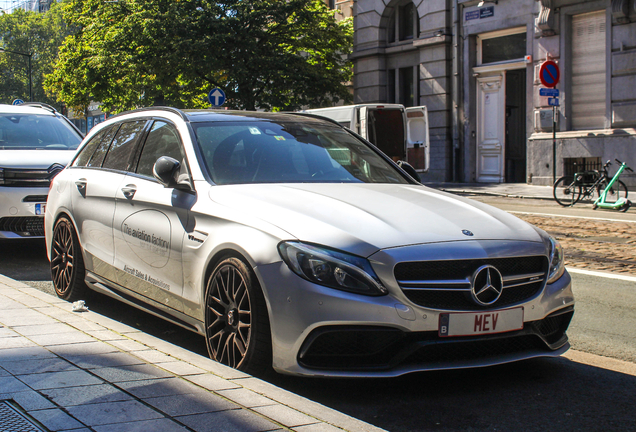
(479, 323)
(40, 209)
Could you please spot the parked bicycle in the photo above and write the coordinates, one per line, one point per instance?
(594, 186)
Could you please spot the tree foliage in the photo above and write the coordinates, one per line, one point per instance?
(39, 34)
(267, 54)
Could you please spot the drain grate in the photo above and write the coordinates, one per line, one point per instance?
(13, 419)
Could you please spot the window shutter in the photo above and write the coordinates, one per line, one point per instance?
(588, 71)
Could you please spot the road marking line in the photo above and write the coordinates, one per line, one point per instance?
(602, 274)
(568, 216)
(607, 363)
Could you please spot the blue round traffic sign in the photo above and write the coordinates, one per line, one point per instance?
(549, 74)
(17, 102)
(216, 97)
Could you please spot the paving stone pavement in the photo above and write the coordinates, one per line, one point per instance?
(86, 372)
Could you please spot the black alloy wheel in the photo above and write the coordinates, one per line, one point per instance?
(237, 326)
(67, 264)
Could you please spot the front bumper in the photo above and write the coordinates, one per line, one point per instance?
(319, 331)
(22, 212)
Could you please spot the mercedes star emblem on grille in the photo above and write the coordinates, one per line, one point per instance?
(487, 285)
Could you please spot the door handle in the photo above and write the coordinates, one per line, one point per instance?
(129, 191)
(81, 186)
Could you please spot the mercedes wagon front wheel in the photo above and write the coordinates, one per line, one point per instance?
(236, 320)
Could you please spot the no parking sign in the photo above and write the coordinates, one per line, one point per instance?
(549, 74)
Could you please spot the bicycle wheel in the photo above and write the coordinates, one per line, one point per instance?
(565, 191)
(618, 190)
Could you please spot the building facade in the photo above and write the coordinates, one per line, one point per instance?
(476, 66)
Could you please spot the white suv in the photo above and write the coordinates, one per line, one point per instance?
(36, 143)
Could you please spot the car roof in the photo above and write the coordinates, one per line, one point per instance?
(219, 115)
(203, 115)
(25, 109)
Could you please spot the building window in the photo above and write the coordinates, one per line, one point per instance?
(407, 87)
(404, 23)
(588, 100)
(504, 48)
(500, 46)
(402, 86)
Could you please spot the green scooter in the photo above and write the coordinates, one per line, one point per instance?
(621, 203)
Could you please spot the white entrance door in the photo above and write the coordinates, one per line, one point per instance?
(491, 128)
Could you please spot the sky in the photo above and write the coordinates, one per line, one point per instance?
(10, 4)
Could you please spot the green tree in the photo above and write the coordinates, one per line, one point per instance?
(39, 34)
(268, 54)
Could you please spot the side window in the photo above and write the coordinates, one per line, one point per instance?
(123, 145)
(100, 153)
(163, 140)
(85, 154)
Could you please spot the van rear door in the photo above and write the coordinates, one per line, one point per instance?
(384, 126)
(417, 138)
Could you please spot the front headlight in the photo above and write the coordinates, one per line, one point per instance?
(557, 265)
(331, 268)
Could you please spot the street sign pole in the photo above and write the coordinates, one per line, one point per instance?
(549, 75)
(554, 114)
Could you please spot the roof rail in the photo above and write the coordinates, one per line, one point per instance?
(40, 105)
(312, 115)
(160, 108)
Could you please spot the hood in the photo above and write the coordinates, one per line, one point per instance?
(363, 218)
(34, 159)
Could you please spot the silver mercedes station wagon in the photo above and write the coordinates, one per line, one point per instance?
(291, 243)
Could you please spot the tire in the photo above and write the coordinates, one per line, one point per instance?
(565, 192)
(627, 205)
(67, 264)
(237, 330)
(618, 190)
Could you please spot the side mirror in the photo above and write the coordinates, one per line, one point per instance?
(166, 170)
(409, 170)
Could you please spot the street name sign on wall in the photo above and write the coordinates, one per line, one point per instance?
(549, 74)
(216, 97)
(549, 92)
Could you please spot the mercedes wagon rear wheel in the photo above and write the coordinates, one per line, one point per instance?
(67, 264)
(236, 320)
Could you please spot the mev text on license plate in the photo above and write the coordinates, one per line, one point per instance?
(478, 323)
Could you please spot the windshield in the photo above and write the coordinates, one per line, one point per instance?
(35, 131)
(289, 152)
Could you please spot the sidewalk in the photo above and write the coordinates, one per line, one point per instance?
(62, 370)
(510, 190)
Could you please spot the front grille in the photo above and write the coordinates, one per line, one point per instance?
(362, 348)
(30, 177)
(447, 284)
(24, 226)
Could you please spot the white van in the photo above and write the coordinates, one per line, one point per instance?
(401, 133)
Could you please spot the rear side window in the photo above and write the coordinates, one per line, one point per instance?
(163, 140)
(89, 149)
(98, 157)
(123, 144)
